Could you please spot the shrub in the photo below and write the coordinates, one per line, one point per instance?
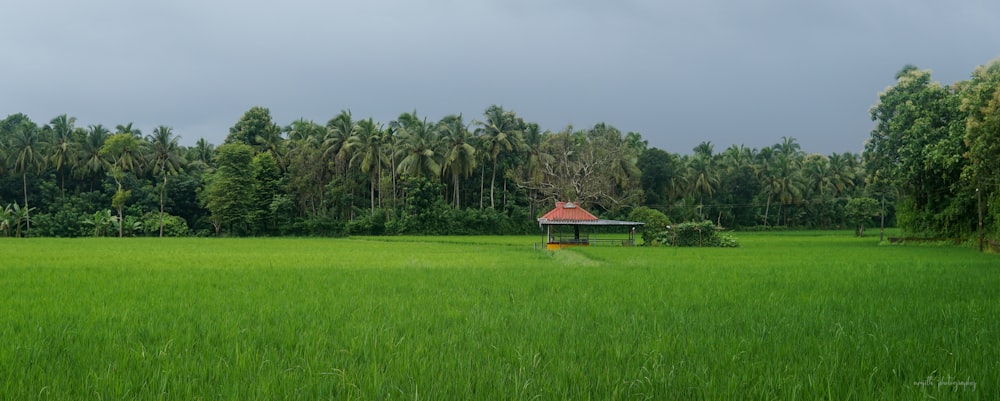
(703, 234)
(319, 226)
(369, 223)
(656, 222)
(173, 226)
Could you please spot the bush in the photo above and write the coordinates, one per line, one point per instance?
(319, 226)
(173, 226)
(61, 223)
(704, 234)
(656, 222)
(369, 223)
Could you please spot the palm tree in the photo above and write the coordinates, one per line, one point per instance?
(335, 144)
(62, 153)
(769, 181)
(789, 148)
(124, 151)
(390, 142)
(816, 169)
(201, 154)
(779, 168)
(841, 173)
(702, 176)
(499, 133)
(128, 129)
(788, 181)
(367, 152)
(460, 155)
(165, 157)
(419, 150)
(736, 158)
(704, 150)
(91, 163)
(27, 152)
(303, 130)
(534, 138)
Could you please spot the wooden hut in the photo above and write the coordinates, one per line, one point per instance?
(567, 216)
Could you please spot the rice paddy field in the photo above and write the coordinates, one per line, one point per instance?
(787, 316)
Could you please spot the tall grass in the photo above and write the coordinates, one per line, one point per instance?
(807, 316)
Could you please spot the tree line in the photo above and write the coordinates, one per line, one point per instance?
(494, 174)
(412, 175)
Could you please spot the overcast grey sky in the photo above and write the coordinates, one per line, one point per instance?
(678, 72)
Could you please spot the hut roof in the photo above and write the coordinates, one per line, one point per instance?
(569, 213)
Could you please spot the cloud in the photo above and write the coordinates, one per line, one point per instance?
(678, 72)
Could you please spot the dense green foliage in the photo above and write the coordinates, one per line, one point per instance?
(656, 223)
(412, 176)
(703, 234)
(930, 164)
(785, 316)
(936, 147)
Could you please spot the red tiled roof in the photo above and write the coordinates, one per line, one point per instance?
(567, 211)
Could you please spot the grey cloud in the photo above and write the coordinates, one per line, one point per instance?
(678, 72)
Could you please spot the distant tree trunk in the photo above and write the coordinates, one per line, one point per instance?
(505, 193)
(162, 193)
(493, 184)
(27, 218)
(767, 209)
(881, 231)
(458, 204)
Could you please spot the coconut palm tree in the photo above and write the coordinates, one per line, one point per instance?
(499, 132)
(200, 156)
(128, 129)
(91, 164)
(27, 152)
(305, 131)
(704, 150)
(335, 144)
(788, 181)
(368, 154)
(842, 175)
(460, 155)
(164, 155)
(789, 148)
(125, 153)
(769, 181)
(534, 139)
(703, 177)
(816, 169)
(62, 152)
(419, 150)
(737, 157)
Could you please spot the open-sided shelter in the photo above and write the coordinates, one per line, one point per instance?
(569, 216)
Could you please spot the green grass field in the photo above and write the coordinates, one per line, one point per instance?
(787, 316)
